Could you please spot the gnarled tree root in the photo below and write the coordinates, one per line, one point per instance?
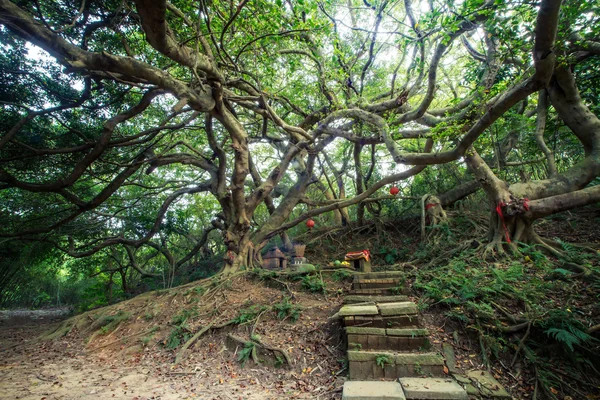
(257, 342)
(181, 353)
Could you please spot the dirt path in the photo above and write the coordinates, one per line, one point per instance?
(33, 370)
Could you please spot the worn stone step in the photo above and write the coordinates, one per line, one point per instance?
(397, 308)
(369, 390)
(380, 291)
(378, 321)
(358, 310)
(395, 284)
(352, 299)
(380, 275)
(432, 389)
(365, 365)
(383, 315)
(361, 338)
(389, 281)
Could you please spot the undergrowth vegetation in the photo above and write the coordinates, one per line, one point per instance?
(528, 311)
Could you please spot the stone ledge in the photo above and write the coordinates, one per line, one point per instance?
(369, 390)
(375, 299)
(377, 321)
(432, 388)
(379, 291)
(397, 358)
(380, 275)
(351, 310)
(407, 332)
(402, 308)
(365, 331)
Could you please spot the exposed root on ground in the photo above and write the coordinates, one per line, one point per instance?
(255, 343)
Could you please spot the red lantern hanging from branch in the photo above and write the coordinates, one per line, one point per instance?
(310, 224)
(394, 190)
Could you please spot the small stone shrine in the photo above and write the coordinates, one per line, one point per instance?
(361, 260)
(275, 259)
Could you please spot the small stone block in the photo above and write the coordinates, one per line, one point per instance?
(377, 372)
(403, 308)
(389, 372)
(363, 390)
(432, 388)
(358, 310)
(488, 385)
(373, 342)
(393, 343)
(360, 370)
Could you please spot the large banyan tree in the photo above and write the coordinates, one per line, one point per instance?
(117, 112)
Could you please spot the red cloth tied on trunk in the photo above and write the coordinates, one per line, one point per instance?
(499, 211)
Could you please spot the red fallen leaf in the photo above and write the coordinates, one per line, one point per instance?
(446, 370)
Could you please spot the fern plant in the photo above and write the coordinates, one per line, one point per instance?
(570, 336)
(285, 310)
(246, 352)
(382, 360)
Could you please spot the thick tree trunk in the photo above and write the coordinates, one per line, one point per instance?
(240, 250)
(510, 220)
(360, 208)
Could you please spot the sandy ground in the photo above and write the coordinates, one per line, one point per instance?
(61, 370)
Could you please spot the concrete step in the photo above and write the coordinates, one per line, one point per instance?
(361, 338)
(384, 315)
(369, 390)
(388, 365)
(432, 388)
(386, 281)
(380, 275)
(395, 284)
(394, 291)
(352, 299)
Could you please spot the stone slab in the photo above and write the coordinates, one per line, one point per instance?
(369, 390)
(365, 331)
(375, 299)
(488, 385)
(377, 321)
(376, 291)
(401, 308)
(407, 332)
(349, 310)
(388, 281)
(448, 351)
(397, 358)
(432, 388)
(379, 275)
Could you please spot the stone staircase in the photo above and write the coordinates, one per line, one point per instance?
(389, 356)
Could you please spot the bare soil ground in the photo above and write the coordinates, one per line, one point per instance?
(131, 360)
